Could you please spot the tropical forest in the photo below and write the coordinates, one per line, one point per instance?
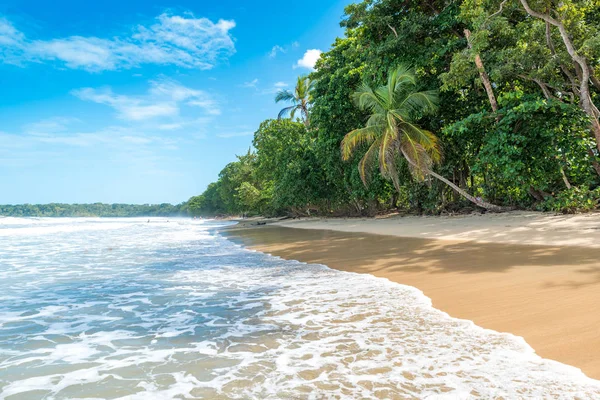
(432, 106)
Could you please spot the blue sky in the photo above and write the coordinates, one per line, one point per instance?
(141, 101)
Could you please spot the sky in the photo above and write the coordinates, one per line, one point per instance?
(143, 101)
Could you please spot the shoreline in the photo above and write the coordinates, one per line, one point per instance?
(546, 294)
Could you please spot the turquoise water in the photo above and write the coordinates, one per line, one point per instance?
(125, 309)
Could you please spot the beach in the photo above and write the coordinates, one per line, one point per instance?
(123, 308)
(529, 274)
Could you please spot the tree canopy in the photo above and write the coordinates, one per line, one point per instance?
(517, 116)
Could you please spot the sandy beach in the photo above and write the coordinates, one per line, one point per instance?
(530, 274)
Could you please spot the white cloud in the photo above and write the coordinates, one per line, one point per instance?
(198, 124)
(174, 90)
(44, 133)
(178, 93)
(49, 125)
(145, 147)
(276, 49)
(208, 104)
(164, 99)
(228, 135)
(309, 59)
(184, 41)
(136, 139)
(128, 107)
(9, 35)
(277, 86)
(170, 127)
(251, 84)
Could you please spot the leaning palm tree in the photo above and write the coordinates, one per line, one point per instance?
(391, 131)
(300, 98)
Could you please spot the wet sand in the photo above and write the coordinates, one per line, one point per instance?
(548, 294)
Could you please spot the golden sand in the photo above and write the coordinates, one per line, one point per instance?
(549, 295)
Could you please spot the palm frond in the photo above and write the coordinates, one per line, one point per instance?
(285, 95)
(356, 138)
(388, 149)
(366, 163)
(386, 145)
(418, 160)
(400, 77)
(385, 96)
(293, 112)
(287, 111)
(418, 104)
(401, 115)
(377, 119)
(304, 86)
(366, 99)
(427, 140)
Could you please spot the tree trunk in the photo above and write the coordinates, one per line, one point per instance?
(594, 162)
(483, 75)
(305, 114)
(595, 81)
(544, 88)
(580, 61)
(565, 179)
(535, 193)
(564, 69)
(394, 200)
(474, 200)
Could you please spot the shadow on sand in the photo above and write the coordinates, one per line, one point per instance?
(348, 251)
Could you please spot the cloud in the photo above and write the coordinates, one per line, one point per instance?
(184, 41)
(170, 127)
(179, 93)
(45, 134)
(251, 84)
(196, 124)
(164, 99)
(49, 125)
(277, 86)
(276, 49)
(128, 107)
(9, 35)
(229, 135)
(136, 139)
(309, 59)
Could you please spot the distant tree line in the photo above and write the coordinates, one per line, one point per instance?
(93, 210)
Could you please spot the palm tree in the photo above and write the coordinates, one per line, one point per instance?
(300, 98)
(391, 131)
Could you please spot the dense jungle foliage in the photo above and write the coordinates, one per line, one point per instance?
(516, 120)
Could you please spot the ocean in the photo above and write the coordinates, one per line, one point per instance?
(169, 309)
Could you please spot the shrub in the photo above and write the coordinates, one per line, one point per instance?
(574, 200)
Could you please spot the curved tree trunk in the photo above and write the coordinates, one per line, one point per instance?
(485, 79)
(474, 200)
